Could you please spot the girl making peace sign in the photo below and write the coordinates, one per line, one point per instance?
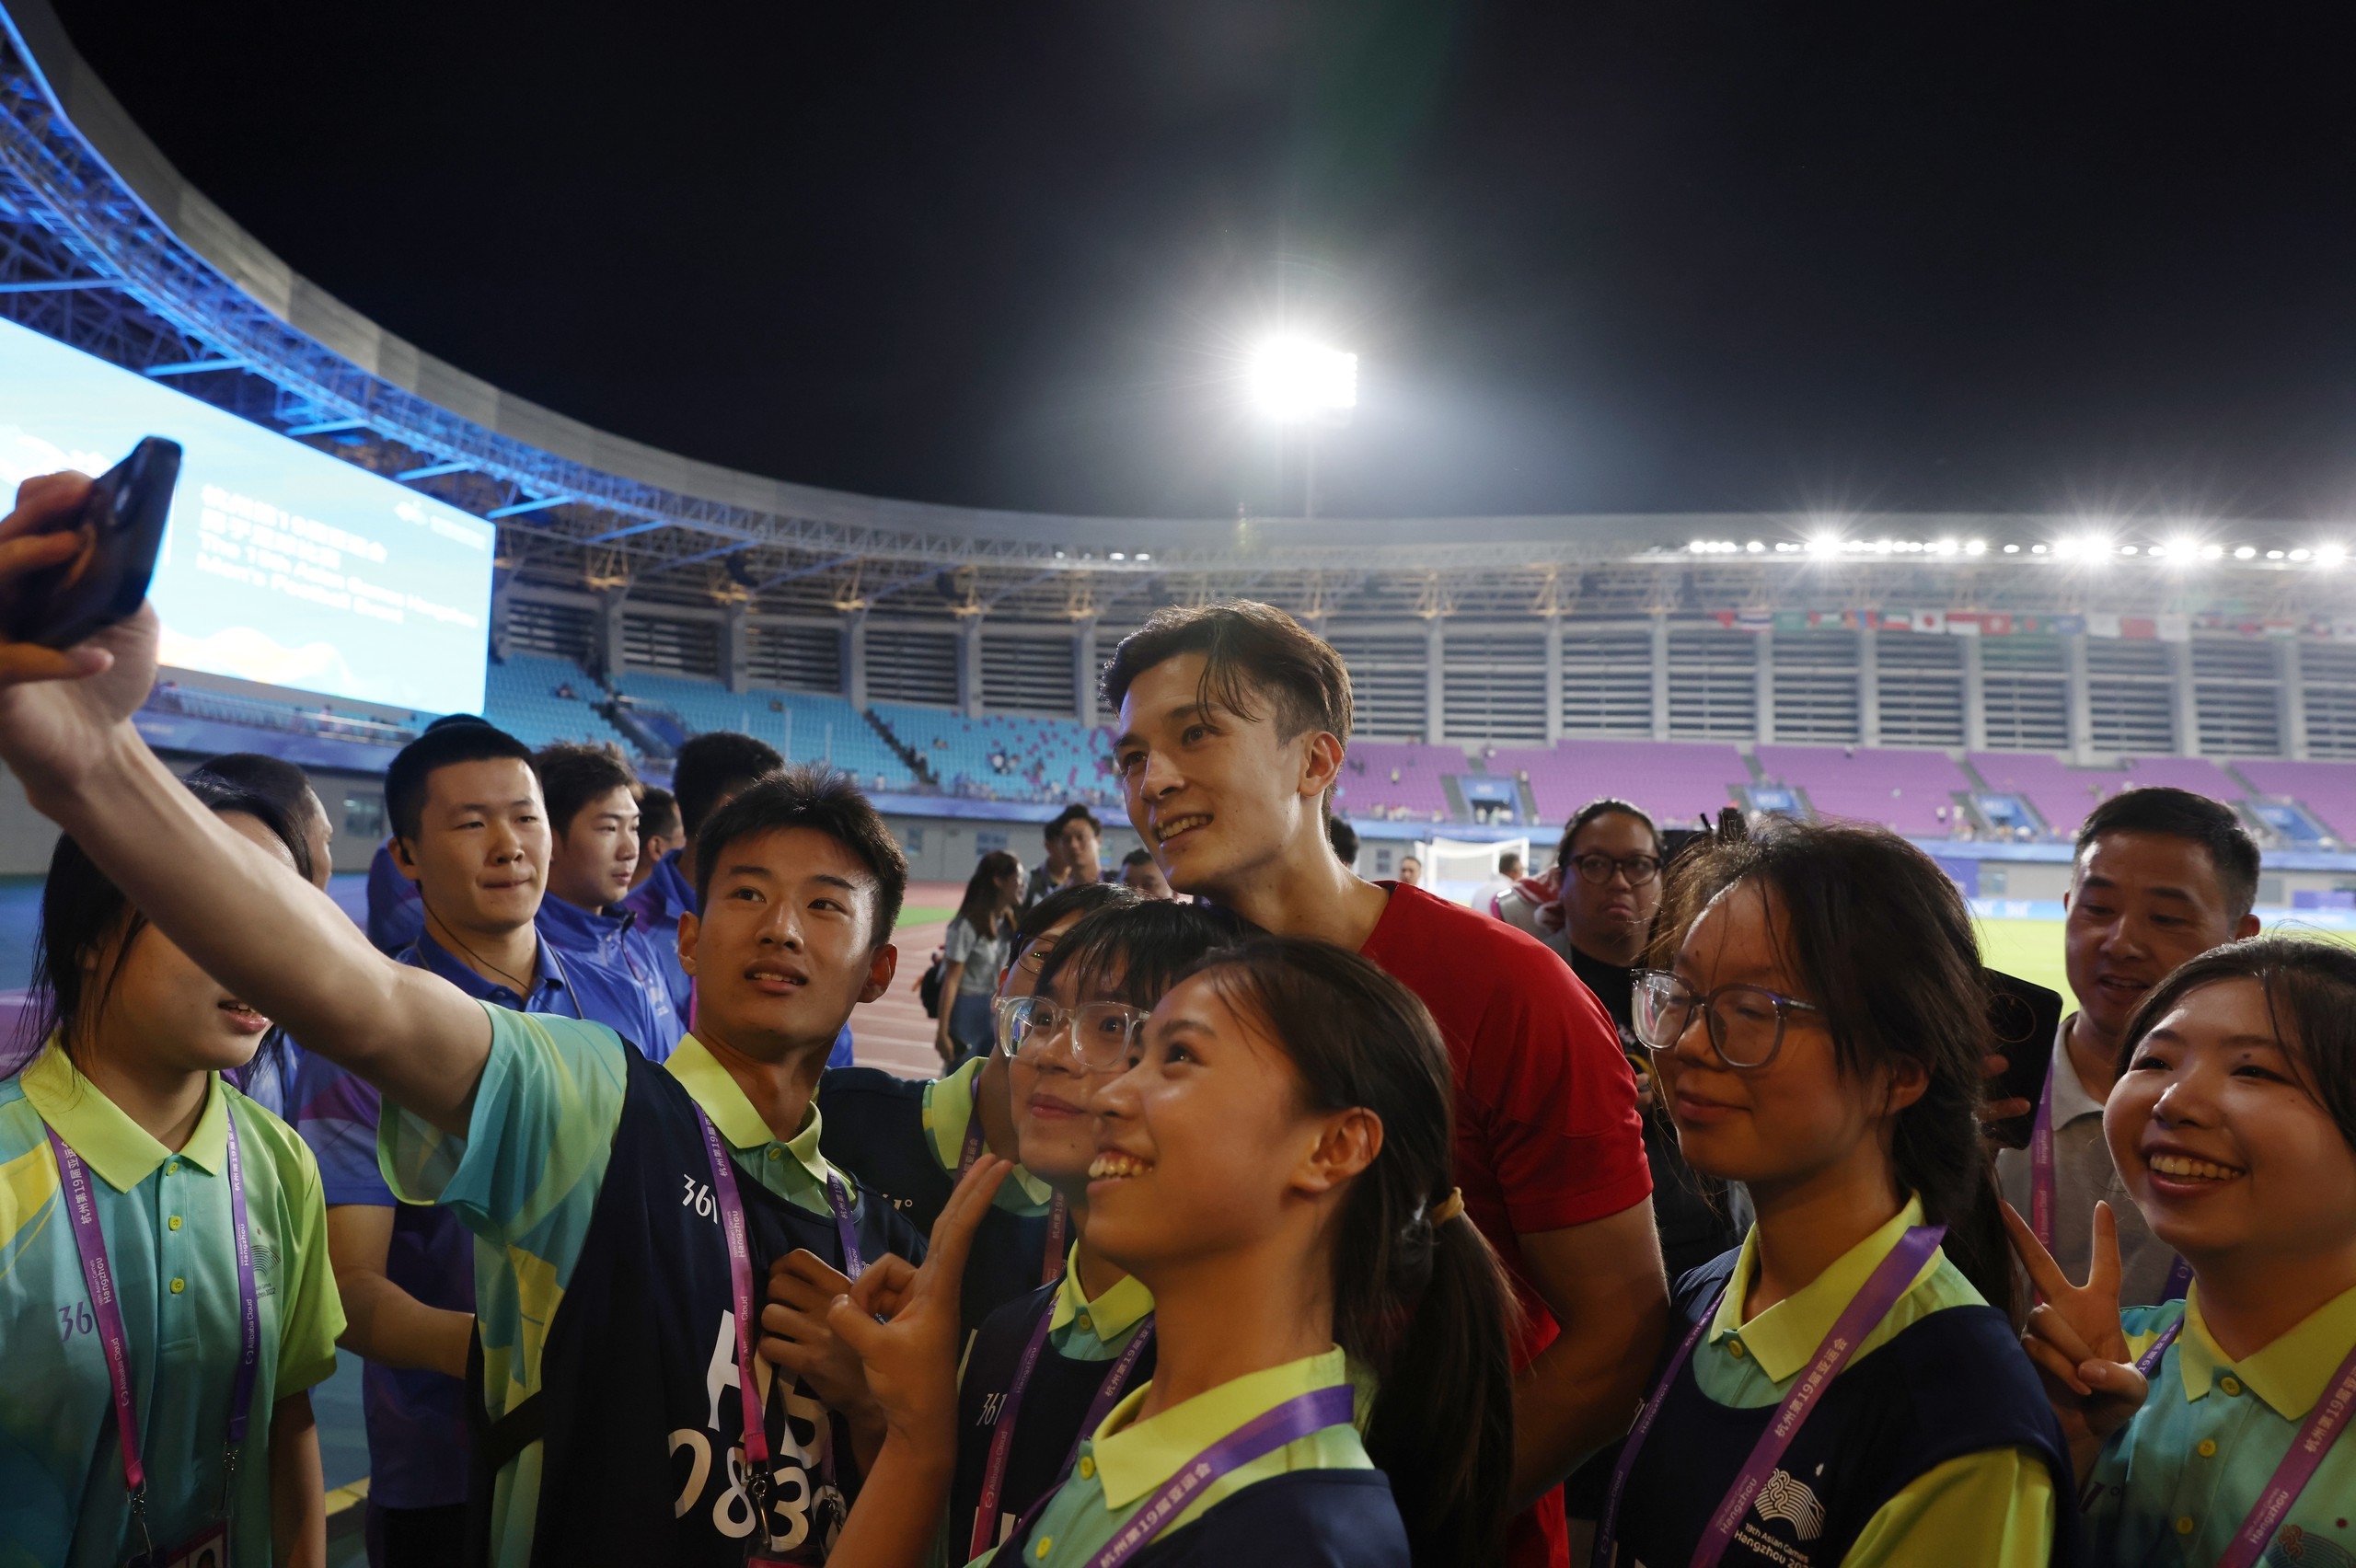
(2210, 1430)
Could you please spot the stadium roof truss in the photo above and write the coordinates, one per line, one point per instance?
(104, 246)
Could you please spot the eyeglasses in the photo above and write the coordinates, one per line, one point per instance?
(1745, 1022)
(1099, 1036)
(1598, 868)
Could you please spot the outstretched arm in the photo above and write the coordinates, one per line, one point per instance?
(273, 939)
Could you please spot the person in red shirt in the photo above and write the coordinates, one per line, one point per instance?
(1233, 723)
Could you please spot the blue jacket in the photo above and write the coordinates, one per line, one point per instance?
(395, 913)
(607, 951)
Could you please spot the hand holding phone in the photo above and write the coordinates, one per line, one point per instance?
(121, 529)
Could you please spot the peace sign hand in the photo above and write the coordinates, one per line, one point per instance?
(910, 1355)
(2075, 1339)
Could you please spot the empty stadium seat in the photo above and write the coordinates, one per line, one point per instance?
(1902, 789)
(1675, 780)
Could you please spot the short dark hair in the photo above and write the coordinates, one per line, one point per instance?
(658, 811)
(713, 766)
(1138, 949)
(1608, 806)
(1066, 817)
(1247, 647)
(2180, 813)
(1083, 898)
(442, 745)
(1344, 839)
(572, 774)
(826, 801)
(1141, 856)
(274, 778)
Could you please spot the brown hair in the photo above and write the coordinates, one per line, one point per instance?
(1249, 649)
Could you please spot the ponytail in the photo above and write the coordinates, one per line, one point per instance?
(1419, 1299)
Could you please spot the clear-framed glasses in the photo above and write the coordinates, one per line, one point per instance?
(1598, 868)
(1745, 1022)
(1098, 1035)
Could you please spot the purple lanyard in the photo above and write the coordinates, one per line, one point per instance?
(2040, 1182)
(758, 1476)
(97, 1277)
(1108, 1394)
(1297, 1417)
(1051, 1261)
(1888, 1280)
(2325, 1424)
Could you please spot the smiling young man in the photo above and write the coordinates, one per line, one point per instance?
(1233, 723)
(595, 1182)
(2162, 876)
(593, 851)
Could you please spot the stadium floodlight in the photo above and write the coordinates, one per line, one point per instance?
(1825, 544)
(2246, 552)
(1975, 547)
(2213, 552)
(2274, 555)
(2331, 555)
(1756, 547)
(2015, 549)
(2301, 555)
(1292, 378)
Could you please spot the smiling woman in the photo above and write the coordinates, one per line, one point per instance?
(2234, 1127)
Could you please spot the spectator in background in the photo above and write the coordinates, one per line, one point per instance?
(593, 823)
(1344, 839)
(1411, 872)
(1074, 841)
(973, 951)
(658, 830)
(1142, 877)
(396, 918)
(2162, 876)
(1509, 866)
(711, 770)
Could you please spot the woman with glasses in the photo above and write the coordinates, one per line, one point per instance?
(1840, 1389)
(908, 1139)
(1049, 1365)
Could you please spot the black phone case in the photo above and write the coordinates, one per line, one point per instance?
(124, 520)
(2025, 1018)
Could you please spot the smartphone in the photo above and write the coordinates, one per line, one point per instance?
(123, 529)
(2025, 1018)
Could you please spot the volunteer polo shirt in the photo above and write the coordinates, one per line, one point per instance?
(2175, 1483)
(395, 913)
(525, 1178)
(165, 1219)
(1997, 1505)
(1127, 1460)
(2083, 1173)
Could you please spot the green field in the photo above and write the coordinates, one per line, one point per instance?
(924, 914)
(2032, 948)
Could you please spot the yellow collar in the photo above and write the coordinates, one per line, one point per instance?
(122, 1152)
(1132, 1459)
(2288, 1374)
(1783, 1338)
(948, 1111)
(723, 1100)
(1111, 1314)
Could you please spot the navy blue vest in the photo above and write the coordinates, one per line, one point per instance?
(1054, 1405)
(1953, 1383)
(1327, 1519)
(874, 1129)
(639, 1411)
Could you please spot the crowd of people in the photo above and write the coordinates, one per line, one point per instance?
(1260, 1213)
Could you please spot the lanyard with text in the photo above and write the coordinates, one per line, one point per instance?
(2324, 1424)
(1051, 1260)
(1108, 1394)
(115, 1340)
(1297, 1417)
(2040, 1181)
(1889, 1281)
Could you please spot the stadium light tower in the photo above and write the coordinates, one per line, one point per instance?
(1304, 384)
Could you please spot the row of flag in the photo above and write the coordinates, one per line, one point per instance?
(1998, 623)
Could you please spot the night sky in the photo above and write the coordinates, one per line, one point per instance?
(1627, 257)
